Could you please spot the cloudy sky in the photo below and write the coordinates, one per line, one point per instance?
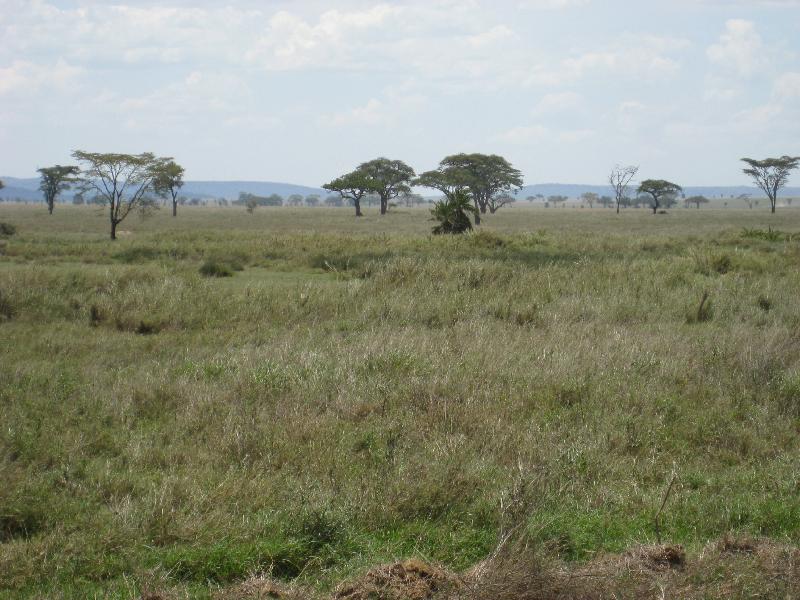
(301, 91)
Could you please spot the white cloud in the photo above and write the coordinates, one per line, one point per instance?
(524, 134)
(788, 86)
(739, 49)
(552, 4)
(25, 78)
(539, 133)
(557, 102)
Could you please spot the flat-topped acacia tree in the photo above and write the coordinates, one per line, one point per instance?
(771, 174)
(658, 189)
(55, 180)
(121, 181)
(489, 178)
(387, 179)
(351, 186)
(697, 201)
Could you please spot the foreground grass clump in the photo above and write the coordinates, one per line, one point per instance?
(363, 392)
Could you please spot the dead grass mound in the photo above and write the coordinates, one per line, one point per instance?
(408, 580)
(262, 588)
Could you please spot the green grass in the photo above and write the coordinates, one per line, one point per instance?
(359, 390)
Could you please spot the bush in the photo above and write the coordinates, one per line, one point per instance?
(212, 268)
(769, 235)
(453, 214)
(7, 229)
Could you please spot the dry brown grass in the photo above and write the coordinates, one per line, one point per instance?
(729, 568)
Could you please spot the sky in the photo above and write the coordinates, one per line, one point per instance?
(303, 91)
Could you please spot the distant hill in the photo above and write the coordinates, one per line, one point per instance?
(574, 190)
(231, 189)
(28, 189)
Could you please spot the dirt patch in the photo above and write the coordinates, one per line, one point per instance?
(408, 580)
(737, 545)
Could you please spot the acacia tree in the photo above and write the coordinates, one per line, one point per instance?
(696, 200)
(55, 180)
(351, 186)
(556, 200)
(121, 181)
(489, 178)
(387, 179)
(620, 179)
(590, 198)
(658, 190)
(169, 181)
(771, 174)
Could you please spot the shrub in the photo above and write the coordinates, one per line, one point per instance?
(212, 268)
(453, 214)
(768, 235)
(7, 229)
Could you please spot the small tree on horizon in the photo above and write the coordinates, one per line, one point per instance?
(697, 201)
(620, 178)
(659, 190)
(590, 198)
(169, 181)
(771, 174)
(55, 180)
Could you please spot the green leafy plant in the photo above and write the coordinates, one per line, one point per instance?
(453, 212)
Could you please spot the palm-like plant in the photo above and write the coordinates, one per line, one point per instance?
(453, 213)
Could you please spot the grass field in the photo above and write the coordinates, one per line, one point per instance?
(357, 392)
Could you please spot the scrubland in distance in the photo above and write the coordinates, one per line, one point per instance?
(358, 392)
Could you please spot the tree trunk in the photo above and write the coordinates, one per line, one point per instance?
(174, 208)
(358, 207)
(113, 229)
(384, 205)
(50, 208)
(477, 212)
(617, 207)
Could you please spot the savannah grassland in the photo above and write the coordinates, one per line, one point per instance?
(359, 392)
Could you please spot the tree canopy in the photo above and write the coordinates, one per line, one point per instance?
(169, 181)
(590, 198)
(121, 181)
(490, 179)
(658, 189)
(771, 174)
(55, 180)
(387, 178)
(696, 200)
(351, 186)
